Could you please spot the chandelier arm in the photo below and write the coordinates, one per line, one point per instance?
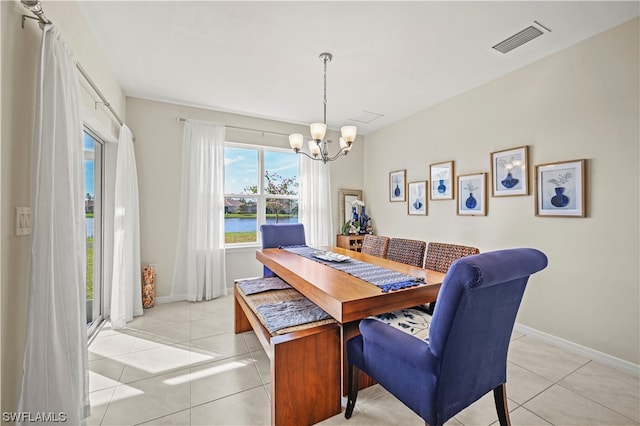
(304, 153)
(341, 152)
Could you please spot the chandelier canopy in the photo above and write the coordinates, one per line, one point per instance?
(318, 144)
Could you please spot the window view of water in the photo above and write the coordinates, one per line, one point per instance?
(248, 224)
(89, 226)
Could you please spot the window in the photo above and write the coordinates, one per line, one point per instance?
(260, 186)
(93, 178)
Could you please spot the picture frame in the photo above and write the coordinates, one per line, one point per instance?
(442, 182)
(346, 197)
(510, 172)
(472, 194)
(560, 189)
(397, 185)
(417, 198)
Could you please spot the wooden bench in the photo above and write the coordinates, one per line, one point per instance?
(305, 360)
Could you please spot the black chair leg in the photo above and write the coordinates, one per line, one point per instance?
(352, 386)
(500, 396)
(431, 307)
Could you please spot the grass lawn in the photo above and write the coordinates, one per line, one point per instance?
(239, 237)
(89, 268)
(253, 215)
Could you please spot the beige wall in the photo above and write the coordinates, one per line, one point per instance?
(158, 156)
(19, 52)
(579, 103)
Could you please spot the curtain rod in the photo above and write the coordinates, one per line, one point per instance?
(182, 120)
(35, 7)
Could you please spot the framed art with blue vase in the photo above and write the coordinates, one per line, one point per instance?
(397, 185)
(472, 198)
(417, 200)
(442, 184)
(560, 189)
(509, 172)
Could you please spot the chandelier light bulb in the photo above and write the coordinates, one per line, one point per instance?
(349, 133)
(314, 148)
(318, 130)
(296, 140)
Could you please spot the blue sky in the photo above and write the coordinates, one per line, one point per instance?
(241, 167)
(88, 166)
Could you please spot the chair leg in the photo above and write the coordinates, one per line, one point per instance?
(500, 396)
(431, 307)
(352, 384)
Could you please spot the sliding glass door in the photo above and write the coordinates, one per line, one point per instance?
(93, 207)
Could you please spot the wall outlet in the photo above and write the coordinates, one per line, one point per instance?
(23, 221)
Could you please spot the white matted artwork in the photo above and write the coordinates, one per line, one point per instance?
(417, 201)
(397, 185)
(472, 198)
(560, 189)
(442, 184)
(509, 172)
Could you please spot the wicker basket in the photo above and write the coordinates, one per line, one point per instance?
(148, 286)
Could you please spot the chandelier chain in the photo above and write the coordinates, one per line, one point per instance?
(325, 60)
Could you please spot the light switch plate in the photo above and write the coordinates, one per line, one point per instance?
(23, 221)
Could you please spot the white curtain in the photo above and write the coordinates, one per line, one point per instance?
(314, 208)
(55, 371)
(199, 272)
(126, 284)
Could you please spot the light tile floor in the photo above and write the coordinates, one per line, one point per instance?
(182, 364)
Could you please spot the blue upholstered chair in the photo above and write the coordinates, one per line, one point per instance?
(281, 234)
(465, 355)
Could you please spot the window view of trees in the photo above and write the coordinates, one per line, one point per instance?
(250, 201)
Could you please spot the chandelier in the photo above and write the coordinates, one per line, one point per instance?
(318, 144)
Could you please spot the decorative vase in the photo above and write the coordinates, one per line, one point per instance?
(441, 187)
(559, 200)
(417, 204)
(509, 181)
(354, 214)
(396, 191)
(470, 202)
(363, 220)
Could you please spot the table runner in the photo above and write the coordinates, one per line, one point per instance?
(385, 278)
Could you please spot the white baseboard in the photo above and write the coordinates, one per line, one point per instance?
(168, 299)
(601, 357)
(179, 298)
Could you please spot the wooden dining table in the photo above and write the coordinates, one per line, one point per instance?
(346, 298)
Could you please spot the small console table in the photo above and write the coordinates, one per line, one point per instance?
(350, 242)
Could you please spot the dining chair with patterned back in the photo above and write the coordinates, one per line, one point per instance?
(440, 257)
(375, 245)
(407, 251)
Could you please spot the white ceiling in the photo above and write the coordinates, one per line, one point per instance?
(391, 58)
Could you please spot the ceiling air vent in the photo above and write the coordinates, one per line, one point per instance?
(517, 40)
(366, 117)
